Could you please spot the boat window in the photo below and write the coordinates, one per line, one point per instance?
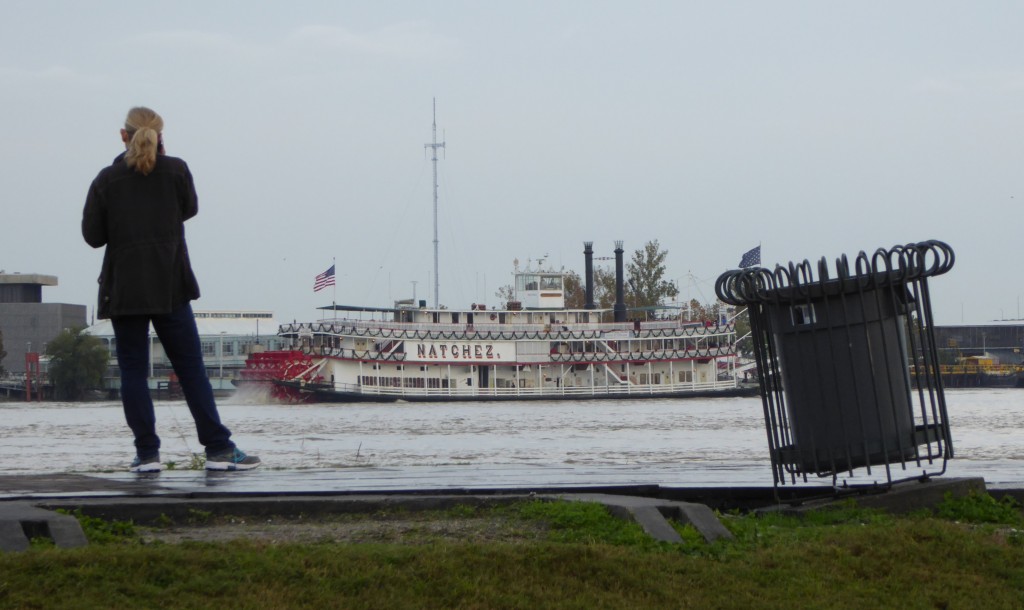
(527, 282)
(455, 317)
(551, 282)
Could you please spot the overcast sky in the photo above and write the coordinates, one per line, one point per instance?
(810, 128)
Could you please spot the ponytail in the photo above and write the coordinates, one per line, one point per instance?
(143, 127)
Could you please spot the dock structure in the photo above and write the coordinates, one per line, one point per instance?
(981, 355)
(15, 387)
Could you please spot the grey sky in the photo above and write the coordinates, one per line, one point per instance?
(812, 128)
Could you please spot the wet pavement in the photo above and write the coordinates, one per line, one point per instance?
(345, 481)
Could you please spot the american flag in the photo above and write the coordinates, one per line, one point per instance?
(750, 258)
(324, 280)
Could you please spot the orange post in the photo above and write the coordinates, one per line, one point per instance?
(32, 368)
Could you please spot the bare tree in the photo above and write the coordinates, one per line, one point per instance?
(506, 294)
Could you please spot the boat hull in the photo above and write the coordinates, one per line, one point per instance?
(324, 393)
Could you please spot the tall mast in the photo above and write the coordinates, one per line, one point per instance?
(433, 146)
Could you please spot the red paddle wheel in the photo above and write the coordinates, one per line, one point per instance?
(264, 368)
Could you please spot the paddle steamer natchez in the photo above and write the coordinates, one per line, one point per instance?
(534, 349)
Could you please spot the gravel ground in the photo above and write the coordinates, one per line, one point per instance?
(404, 529)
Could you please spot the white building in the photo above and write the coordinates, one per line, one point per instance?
(227, 337)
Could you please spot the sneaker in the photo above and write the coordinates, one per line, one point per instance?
(232, 459)
(149, 464)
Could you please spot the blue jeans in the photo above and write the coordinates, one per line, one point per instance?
(180, 339)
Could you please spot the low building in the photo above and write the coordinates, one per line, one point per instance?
(982, 355)
(28, 324)
(227, 337)
(1002, 341)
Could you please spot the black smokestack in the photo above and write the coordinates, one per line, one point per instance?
(588, 256)
(620, 298)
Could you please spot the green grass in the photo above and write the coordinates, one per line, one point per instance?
(968, 553)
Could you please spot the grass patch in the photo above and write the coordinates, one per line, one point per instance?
(981, 508)
(583, 523)
(100, 532)
(842, 558)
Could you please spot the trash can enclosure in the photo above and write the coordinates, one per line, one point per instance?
(836, 357)
(841, 357)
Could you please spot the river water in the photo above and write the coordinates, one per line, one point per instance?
(719, 441)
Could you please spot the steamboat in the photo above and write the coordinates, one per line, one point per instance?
(532, 349)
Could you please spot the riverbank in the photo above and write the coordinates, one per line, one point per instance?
(550, 556)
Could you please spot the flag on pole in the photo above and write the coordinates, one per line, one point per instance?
(324, 280)
(751, 258)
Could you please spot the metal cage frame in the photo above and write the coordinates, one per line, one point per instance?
(870, 327)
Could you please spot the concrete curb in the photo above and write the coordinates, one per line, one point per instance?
(903, 497)
(651, 513)
(20, 522)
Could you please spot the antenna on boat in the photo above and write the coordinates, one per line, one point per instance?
(434, 145)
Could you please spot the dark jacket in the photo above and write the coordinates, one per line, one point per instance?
(141, 221)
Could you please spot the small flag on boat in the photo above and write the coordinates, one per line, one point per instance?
(751, 258)
(324, 280)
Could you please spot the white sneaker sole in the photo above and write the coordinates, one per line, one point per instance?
(147, 468)
(222, 466)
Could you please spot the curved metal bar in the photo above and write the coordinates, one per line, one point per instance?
(900, 264)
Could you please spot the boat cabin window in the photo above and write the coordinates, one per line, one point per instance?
(526, 282)
(455, 317)
(533, 281)
(550, 282)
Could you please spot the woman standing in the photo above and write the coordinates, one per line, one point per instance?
(137, 208)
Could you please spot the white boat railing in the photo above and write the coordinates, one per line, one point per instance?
(392, 328)
(557, 358)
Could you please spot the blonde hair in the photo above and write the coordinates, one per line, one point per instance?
(144, 127)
